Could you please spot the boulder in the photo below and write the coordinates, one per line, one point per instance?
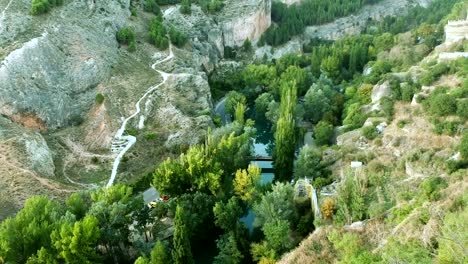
(380, 91)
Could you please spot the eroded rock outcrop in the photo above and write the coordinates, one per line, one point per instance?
(52, 74)
(246, 19)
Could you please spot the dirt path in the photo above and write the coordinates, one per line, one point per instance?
(128, 139)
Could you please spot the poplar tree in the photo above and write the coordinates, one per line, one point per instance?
(182, 252)
(285, 136)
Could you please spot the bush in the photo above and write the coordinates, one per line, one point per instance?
(462, 108)
(99, 98)
(157, 34)
(434, 74)
(463, 148)
(126, 36)
(177, 38)
(186, 7)
(247, 46)
(39, 7)
(323, 133)
(370, 132)
(431, 187)
(152, 6)
(442, 104)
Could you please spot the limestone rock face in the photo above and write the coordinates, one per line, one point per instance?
(380, 91)
(456, 30)
(244, 19)
(52, 74)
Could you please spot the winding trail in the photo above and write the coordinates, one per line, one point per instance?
(127, 141)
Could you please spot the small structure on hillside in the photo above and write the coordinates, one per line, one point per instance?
(303, 190)
(456, 31)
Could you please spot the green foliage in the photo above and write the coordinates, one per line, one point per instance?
(411, 252)
(454, 238)
(78, 204)
(239, 113)
(463, 148)
(99, 98)
(186, 7)
(126, 36)
(354, 116)
(370, 132)
(152, 6)
(77, 242)
(277, 204)
(177, 38)
(182, 252)
(24, 235)
(434, 74)
(233, 98)
(157, 33)
(247, 45)
(227, 214)
(262, 75)
(277, 235)
(285, 135)
(431, 187)
(261, 105)
(228, 250)
(292, 20)
(441, 104)
(246, 183)
(43, 6)
(310, 164)
(323, 133)
(159, 254)
(322, 100)
(462, 109)
(351, 249)
(350, 201)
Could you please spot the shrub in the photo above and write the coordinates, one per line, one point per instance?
(126, 36)
(39, 7)
(434, 74)
(99, 98)
(328, 208)
(462, 108)
(186, 7)
(247, 46)
(150, 136)
(157, 34)
(370, 132)
(152, 6)
(430, 187)
(177, 38)
(463, 148)
(323, 133)
(442, 104)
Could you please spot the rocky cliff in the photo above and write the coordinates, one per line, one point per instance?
(255, 19)
(51, 64)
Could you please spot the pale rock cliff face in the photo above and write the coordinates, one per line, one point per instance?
(246, 19)
(456, 31)
(52, 74)
(353, 24)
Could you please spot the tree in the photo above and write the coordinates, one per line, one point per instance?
(170, 178)
(261, 105)
(227, 214)
(177, 38)
(323, 133)
(442, 104)
(233, 98)
(158, 254)
(228, 251)
(157, 33)
(78, 204)
(350, 200)
(141, 260)
(277, 235)
(29, 231)
(186, 7)
(239, 113)
(285, 135)
(246, 183)
(152, 6)
(276, 205)
(454, 238)
(247, 46)
(77, 242)
(308, 163)
(182, 252)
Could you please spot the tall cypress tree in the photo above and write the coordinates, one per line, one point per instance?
(182, 252)
(285, 136)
